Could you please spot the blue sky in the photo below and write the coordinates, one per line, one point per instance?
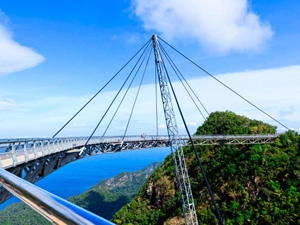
(55, 55)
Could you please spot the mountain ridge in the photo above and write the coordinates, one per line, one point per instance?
(118, 193)
(252, 184)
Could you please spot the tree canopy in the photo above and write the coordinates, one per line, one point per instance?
(229, 123)
(252, 184)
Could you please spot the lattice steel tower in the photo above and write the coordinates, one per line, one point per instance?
(181, 171)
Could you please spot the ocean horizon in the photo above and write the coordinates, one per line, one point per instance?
(78, 176)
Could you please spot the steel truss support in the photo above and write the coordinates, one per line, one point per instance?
(181, 171)
(35, 170)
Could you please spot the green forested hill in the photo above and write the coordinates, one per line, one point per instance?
(104, 198)
(19, 214)
(108, 196)
(252, 184)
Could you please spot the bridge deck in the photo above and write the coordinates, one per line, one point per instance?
(35, 158)
(14, 152)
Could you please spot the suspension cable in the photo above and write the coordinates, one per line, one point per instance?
(165, 52)
(100, 89)
(123, 97)
(156, 103)
(115, 97)
(195, 152)
(225, 85)
(176, 70)
(137, 92)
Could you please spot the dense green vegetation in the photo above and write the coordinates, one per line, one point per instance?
(252, 184)
(108, 196)
(20, 213)
(230, 123)
(103, 199)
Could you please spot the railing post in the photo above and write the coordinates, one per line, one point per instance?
(48, 145)
(34, 150)
(25, 152)
(42, 146)
(14, 156)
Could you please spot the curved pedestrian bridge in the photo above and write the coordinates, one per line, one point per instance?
(14, 152)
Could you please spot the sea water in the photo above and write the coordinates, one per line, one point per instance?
(78, 176)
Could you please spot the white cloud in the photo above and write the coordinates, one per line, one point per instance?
(9, 105)
(220, 24)
(13, 56)
(192, 124)
(162, 126)
(276, 91)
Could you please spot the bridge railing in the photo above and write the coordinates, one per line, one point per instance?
(17, 151)
(52, 207)
(33, 159)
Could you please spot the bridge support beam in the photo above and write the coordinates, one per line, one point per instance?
(181, 171)
(35, 170)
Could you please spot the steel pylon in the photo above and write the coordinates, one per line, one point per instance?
(181, 171)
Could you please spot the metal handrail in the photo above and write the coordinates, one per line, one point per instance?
(50, 206)
(14, 152)
(127, 138)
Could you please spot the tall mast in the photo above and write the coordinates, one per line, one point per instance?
(181, 171)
